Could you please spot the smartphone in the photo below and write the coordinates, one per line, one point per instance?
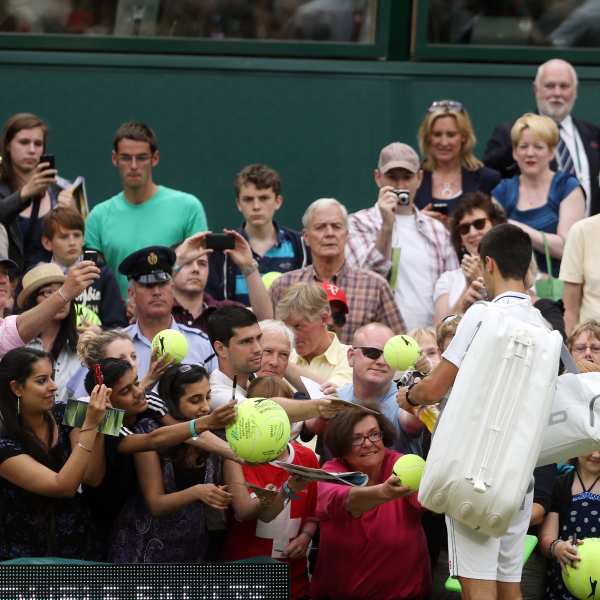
(441, 207)
(48, 158)
(90, 255)
(99, 375)
(220, 241)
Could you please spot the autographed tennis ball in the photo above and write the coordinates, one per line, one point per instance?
(172, 343)
(269, 278)
(401, 352)
(261, 431)
(84, 313)
(582, 581)
(409, 469)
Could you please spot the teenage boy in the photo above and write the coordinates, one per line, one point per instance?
(62, 234)
(486, 567)
(143, 212)
(274, 248)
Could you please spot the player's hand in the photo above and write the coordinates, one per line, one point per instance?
(215, 496)
(297, 548)
(222, 416)
(387, 202)
(567, 555)
(328, 409)
(473, 294)
(423, 364)
(391, 490)
(192, 248)
(470, 268)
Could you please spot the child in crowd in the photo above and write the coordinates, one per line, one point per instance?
(164, 520)
(280, 524)
(425, 337)
(275, 248)
(63, 230)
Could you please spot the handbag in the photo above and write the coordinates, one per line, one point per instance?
(551, 288)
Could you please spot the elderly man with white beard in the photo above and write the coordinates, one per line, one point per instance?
(578, 150)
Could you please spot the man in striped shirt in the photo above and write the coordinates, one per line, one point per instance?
(369, 295)
(395, 240)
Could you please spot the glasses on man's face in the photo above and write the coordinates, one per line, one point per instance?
(450, 318)
(46, 293)
(139, 158)
(464, 228)
(373, 437)
(447, 104)
(370, 353)
(595, 349)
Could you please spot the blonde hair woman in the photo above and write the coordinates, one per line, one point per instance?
(450, 169)
(540, 200)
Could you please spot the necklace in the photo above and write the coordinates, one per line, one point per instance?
(447, 191)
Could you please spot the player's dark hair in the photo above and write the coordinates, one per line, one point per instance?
(138, 132)
(510, 247)
(223, 322)
(114, 369)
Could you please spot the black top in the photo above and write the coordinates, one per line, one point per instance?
(553, 312)
(76, 535)
(483, 180)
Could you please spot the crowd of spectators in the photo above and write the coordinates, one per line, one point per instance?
(275, 313)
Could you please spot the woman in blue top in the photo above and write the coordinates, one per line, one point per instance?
(540, 199)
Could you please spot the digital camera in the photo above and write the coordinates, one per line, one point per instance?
(403, 197)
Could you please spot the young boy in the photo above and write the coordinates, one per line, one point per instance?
(62, 234)
(275, 248)
(446, 331)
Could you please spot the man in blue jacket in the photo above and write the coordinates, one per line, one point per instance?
(275, 248)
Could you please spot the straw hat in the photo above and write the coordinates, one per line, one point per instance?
(39, 277)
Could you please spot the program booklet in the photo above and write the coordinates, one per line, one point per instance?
(352, 478)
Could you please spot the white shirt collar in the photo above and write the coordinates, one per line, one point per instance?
(567, 124)
(510, 297)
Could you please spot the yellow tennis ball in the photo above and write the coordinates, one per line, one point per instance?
(261, 431)
(582, 581)
(401, 352)
(172, 343)
(409, 469)
(269, 278)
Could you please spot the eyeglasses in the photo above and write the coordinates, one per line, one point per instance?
(370, 353)
(450, 318)
(46, 293)
(139, 158)
(447, 104)
(373, 437)
(595, 349)
(464, 228)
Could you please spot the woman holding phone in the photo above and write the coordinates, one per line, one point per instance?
(42, 464)
(28, 188)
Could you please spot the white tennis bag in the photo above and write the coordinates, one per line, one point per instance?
(490, 434)
(574, 421)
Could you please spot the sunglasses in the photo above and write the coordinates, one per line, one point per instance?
(464, 228)
(370, 353)
(447, 104)
(450, 318)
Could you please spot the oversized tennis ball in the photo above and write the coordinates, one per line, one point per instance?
(269, 278)
(409, 469)
(85, 313)
(172, 343)
(261, 431)
(582, 581)
(401, 352)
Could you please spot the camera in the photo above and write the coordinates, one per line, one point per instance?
(403, 197)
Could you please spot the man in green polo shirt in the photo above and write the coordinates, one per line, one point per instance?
(143, 213)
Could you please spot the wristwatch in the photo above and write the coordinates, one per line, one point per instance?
(249, 270)
(408, 392)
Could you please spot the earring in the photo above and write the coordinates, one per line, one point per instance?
(18, 405)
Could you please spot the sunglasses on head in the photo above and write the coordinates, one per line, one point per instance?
(450, 318)
(447, 104)
(464, 228)
(370, 353)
